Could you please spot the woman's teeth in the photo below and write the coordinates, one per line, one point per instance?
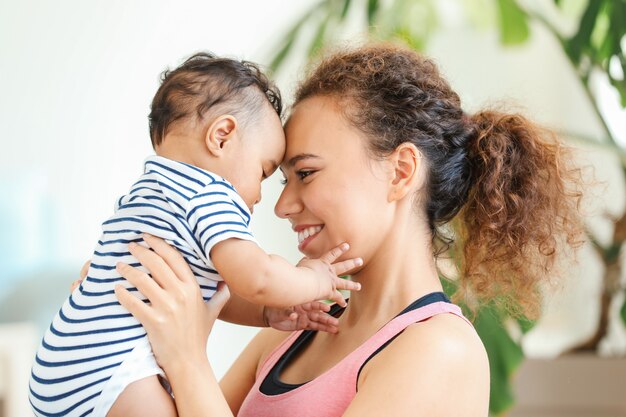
(309, 231)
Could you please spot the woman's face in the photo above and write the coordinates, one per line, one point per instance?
(335, 191)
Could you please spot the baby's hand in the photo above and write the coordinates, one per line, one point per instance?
(309, 316)
(327, 270)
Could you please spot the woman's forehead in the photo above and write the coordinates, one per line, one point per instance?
(314, 119)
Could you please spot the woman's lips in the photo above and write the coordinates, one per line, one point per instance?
(307, 234)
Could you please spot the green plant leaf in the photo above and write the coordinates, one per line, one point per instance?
(344, 9)
(449, 286)
(622, 312)
(505, 356)
(513, 23)
(282, 53)
(320, 35)
(617, 32)
(372, 9)
(525, 324)
(575, 46)
(287, 44)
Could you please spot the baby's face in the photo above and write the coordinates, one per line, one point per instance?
(258, 155)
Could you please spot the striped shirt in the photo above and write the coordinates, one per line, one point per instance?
(94, 347)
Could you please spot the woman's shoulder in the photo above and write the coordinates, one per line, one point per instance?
(432, 364)
(445, 335)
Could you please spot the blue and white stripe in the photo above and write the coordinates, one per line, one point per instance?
(94, 347)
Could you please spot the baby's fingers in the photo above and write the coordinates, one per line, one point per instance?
(323, 318)
(321, 327)
(316, 306)
(342, 267)
(334, 254)
(346, 284)
(337, 297)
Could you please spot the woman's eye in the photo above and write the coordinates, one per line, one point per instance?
(302, 174)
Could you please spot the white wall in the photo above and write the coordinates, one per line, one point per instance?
(76, 81)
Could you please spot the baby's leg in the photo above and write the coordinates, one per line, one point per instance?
(145, 397)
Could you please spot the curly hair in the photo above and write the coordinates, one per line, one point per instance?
(502, 184)
(204, 81)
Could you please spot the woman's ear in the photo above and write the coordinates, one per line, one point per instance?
(220, 133)
(407, 172)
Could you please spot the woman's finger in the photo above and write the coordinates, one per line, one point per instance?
(75, 284)
(135, 306)
(333, 254)
(159, 270)
(146, 285)
(342, 267)
(85, 269)
(171, 257)
(219, 300)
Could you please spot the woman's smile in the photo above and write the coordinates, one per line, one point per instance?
(306, 233)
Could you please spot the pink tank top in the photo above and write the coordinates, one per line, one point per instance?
(329, 394)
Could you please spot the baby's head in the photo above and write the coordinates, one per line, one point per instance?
(221, 115)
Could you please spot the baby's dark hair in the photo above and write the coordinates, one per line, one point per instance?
(204, 81)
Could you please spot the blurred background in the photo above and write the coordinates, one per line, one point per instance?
(77, 79)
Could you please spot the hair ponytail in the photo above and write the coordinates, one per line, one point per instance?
(520, 210)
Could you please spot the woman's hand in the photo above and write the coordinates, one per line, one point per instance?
(82, 276)
(178, 321)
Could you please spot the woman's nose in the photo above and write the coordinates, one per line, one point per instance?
(288, 203)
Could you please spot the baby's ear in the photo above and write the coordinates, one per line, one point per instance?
(220, 133)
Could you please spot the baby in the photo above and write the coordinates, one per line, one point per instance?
(215, 126)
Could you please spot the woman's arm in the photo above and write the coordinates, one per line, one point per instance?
(178, 323)
(434, 368)
(240, 378)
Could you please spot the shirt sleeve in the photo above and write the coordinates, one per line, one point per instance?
(218, 213)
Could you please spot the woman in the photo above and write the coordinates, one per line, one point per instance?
(381, 155)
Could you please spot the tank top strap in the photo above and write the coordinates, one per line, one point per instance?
(362, 354)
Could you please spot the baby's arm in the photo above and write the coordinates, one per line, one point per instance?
(309, 316)
(270, 280)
